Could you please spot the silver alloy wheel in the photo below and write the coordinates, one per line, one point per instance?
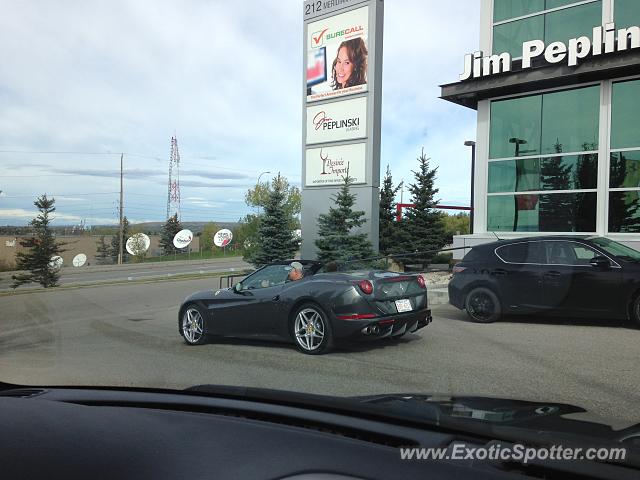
(309, 329)
(192, 325)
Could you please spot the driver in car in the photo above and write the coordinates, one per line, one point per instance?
(296, 272)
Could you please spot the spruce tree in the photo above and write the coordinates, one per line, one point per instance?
(337, 241)
(389, 230)
(422, 225)
(103, 251)
(42, 246)
(169, 230)
(276, 238)
(115, 243)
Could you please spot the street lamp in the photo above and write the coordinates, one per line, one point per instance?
(518, 142)
(258, 184)
(472, 144)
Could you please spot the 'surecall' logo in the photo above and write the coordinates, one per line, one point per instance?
(318, 38)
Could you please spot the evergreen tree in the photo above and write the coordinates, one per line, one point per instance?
(276, 239)
(624, 207)
(336, 240)
(169, 230)
(115, 243)
(423, 230)
(43, 246)
(556, 209)
(103, 252)
(389, 228)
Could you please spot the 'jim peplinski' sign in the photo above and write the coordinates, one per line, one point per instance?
(605, 40)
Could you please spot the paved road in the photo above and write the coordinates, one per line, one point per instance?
(127, 272)
(127, 335)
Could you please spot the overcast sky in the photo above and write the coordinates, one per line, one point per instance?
(82, 81)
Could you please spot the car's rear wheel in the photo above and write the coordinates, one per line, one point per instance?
(482, 305)
(192, 326)
(311, 330)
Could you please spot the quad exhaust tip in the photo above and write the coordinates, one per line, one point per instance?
(371, 330)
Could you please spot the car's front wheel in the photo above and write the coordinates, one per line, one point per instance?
(192, 326)
(311, 330)
(482, 305)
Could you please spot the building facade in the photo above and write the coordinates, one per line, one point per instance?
(556, 84)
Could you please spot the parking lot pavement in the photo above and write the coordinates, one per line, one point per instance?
(128, 335)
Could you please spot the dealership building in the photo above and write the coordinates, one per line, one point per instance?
(556, 87)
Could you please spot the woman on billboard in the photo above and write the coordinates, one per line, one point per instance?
(350, 66)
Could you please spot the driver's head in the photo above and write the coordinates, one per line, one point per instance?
(296, 271)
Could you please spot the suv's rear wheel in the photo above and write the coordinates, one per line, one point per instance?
(482, 305)
(635, 310)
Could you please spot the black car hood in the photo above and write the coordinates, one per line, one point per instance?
(538, 416)
(213, 294)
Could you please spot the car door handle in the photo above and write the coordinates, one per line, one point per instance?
(552, 273)
(276, 298)
(499, 271)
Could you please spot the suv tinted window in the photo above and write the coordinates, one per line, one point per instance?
(568, 253)
(522, 252)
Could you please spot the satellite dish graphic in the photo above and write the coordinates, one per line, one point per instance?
(56, 262)
(138, 243)
(79, 260)
(183, 238)
(223, 237)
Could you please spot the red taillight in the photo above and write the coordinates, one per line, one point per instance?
(458, 269)
(366, 286)
(421, 282)
(357, 316)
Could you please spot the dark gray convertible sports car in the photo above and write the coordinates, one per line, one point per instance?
(313, 312)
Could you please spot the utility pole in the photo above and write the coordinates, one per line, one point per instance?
(120, 242)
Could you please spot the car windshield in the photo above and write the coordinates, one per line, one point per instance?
(352, 198)
(618, 249)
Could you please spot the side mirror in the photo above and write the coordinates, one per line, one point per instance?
(600, 262)
(237, 287)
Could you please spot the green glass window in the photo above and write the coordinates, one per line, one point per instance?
(625, 170)
(560, 25)
(625, 112)
(570, 120)
(624, 212)
(515, 127)
(552, 212)
(508, 37)
(558, 3)
(505, 9)
(626, 13)
(572, 172)
(572, 22)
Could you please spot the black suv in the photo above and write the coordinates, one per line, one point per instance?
(571, 275)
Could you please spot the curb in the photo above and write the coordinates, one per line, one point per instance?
(438, 294)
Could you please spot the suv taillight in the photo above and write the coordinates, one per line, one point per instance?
(421, 282)
(366, 286)
(458, 269)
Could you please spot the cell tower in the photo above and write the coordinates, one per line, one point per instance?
(173, 192)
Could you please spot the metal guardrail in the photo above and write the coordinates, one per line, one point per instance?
(229, 280)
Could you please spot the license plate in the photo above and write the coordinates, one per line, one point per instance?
(403, 305)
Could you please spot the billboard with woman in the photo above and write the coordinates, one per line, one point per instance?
(337, 55)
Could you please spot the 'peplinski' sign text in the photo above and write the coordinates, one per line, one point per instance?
(604, 40)
(320, 121)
